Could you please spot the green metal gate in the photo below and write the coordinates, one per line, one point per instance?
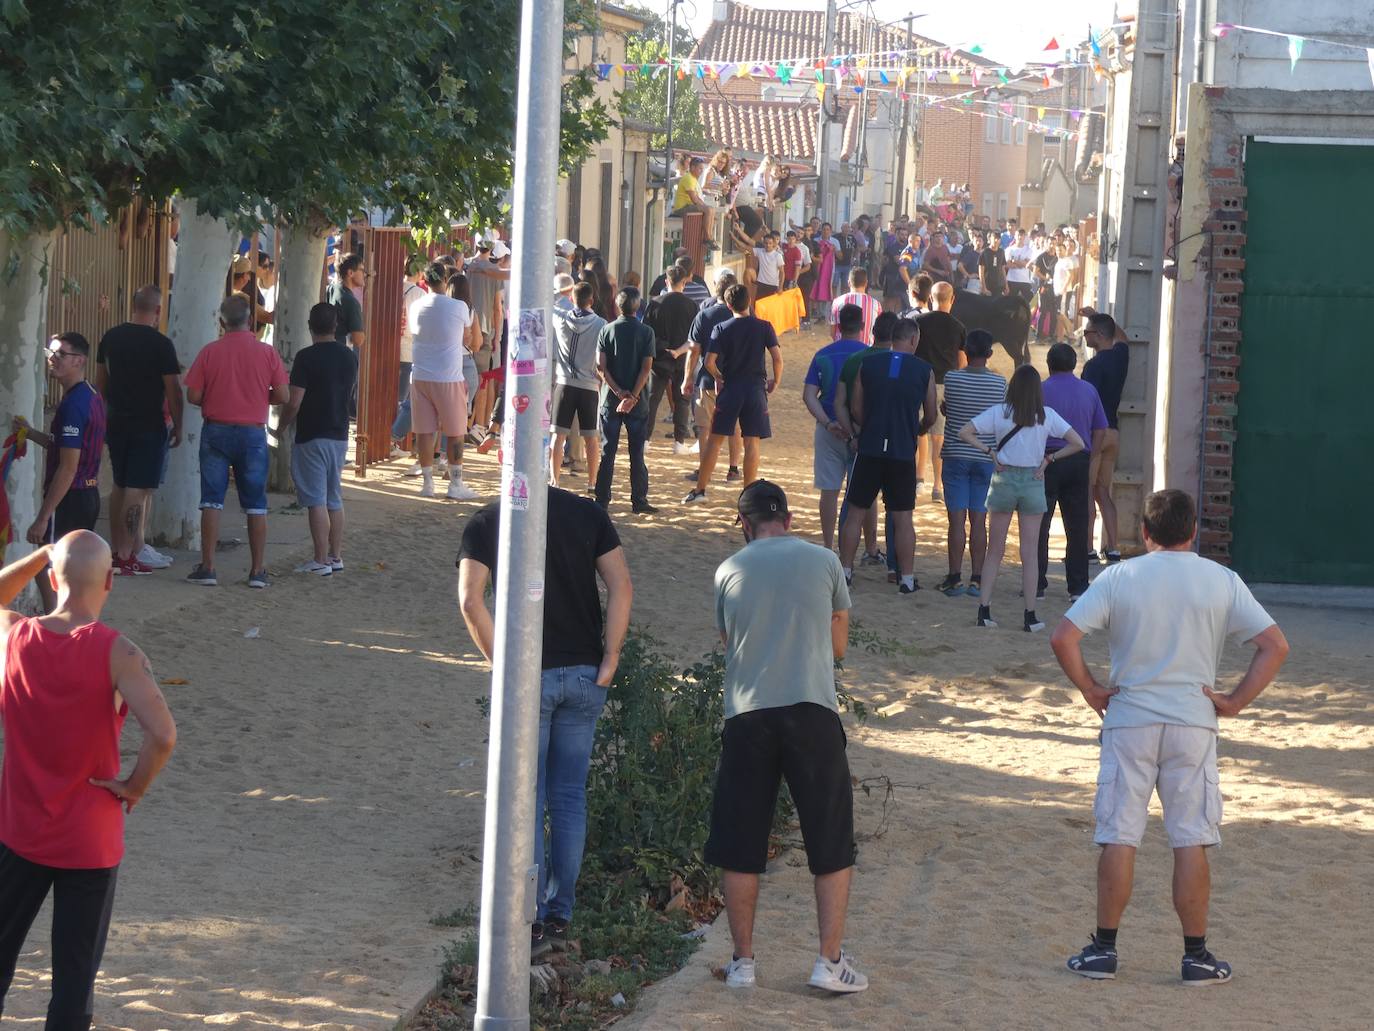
(1304, 451)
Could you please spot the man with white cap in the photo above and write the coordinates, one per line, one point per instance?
(486, 277)
(576, 380)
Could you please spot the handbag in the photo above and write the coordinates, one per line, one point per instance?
(1010, 433)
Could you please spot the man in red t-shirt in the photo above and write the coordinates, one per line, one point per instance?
(68, 681)
(233, 380)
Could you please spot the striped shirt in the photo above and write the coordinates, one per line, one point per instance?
(870, 308)
(968, 392)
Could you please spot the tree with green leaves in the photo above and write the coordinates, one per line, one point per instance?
(645, 97)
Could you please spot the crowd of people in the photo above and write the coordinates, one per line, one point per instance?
(902, 388)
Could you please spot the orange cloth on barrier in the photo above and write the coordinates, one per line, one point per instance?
(783, 311)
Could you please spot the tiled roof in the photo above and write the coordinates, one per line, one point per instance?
(749, 34)
(784, 130)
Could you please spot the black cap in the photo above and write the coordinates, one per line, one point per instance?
(762, 500)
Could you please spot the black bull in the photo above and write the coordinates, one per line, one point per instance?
(1007, 318)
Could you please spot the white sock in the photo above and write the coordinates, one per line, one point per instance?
(909, 581)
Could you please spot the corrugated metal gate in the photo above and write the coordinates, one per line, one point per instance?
(93, 275)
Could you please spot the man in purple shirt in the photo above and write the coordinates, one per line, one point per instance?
(1067, 483)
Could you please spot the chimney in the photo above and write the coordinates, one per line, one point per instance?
(720, 10)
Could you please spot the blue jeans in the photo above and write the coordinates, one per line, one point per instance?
(225, 446)
(570, 702)
(401, 426)
(636, 426)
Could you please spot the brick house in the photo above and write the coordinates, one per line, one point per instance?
(753, 112)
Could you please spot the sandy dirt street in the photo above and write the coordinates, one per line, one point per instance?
(326, 795)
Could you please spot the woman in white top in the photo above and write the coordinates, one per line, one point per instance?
(1065, 288)
(1021, 427)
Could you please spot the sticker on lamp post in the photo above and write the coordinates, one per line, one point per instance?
(531, 354)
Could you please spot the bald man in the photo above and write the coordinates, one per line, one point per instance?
(62, 801)
(942, 345)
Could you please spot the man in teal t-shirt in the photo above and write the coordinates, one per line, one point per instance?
(625, 356)
(782, 608)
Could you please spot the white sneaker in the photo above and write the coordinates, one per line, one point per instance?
(152, 558)
(460, 491)
(335, 564)
(318, 568)
(840, 977)
(687, 449)
(427, 488)
(415, 470)
(397, 451)
(739, 973)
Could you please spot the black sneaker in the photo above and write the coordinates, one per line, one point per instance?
(1199, 971)
(693, 496)
(951, 585)
(1113, 557)
(985, 619)
(644, 509)
(874, 558)
(1099, 962)
(904, 589)
(556, 928)
(539, 942)
(202, 576)
(733, 475)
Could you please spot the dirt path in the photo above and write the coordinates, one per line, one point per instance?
(326, 798)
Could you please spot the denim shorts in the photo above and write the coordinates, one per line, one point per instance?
(966, 483)
(316, 467)
(243, 449)
(1015, 489)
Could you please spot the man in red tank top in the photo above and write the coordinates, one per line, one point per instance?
(66, 684)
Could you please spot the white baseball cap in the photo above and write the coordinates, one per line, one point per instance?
(565, 248)
(499, 250)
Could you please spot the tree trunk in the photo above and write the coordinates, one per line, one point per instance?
(24, 286)
(204, 248)
(298, 290)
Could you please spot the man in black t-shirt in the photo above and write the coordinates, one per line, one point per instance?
(322, 380)
(942, 347)
(578, 664)
(735, 359)
(670, 316)
(138, 375)
(992, 264)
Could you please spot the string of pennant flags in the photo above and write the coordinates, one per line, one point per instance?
(1295, 42)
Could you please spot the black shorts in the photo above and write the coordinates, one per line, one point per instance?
(896, 478)
(745, 404)
(79, 509)
(804, 743)
(579, 401)
(762, 290)
(136, 457)
(749, 219)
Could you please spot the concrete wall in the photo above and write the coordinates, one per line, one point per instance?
(1247, 59)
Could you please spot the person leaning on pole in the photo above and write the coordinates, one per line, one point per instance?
(1167, 615)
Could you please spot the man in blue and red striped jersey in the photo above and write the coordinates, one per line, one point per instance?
(71, 477)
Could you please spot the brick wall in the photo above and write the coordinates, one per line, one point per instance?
(1223, 260)
(951, 142)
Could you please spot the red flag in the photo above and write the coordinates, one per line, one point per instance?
(1053, 44)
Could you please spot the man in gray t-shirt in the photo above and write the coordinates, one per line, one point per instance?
(782, 608)
(1167, 615)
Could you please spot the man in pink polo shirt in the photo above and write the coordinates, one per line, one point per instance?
(233, 380)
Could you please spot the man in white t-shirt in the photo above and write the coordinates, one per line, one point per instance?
(1167, 615)
(1020, 256)
(438, 392)
(770, 259)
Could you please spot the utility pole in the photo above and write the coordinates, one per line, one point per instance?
(898, 207)
(823, 129)
(510, 874)
(660, 258)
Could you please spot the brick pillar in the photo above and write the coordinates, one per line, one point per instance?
(1224, 262)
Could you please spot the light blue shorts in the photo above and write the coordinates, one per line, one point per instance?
(317, 467)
